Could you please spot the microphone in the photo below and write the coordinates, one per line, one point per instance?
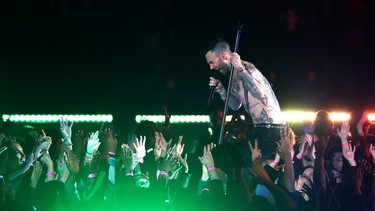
(214, 74)
(212, 92)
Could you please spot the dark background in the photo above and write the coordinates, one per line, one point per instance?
(133, 57)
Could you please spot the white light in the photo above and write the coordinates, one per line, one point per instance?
(339, 117)
(47, 118)
(5, 117)
(298, 116)
(371, 117)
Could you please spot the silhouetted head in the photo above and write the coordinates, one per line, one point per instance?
(323, 124)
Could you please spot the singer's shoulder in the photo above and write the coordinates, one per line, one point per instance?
(248, 65)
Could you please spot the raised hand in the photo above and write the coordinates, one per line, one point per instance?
(167, 116)
(171, 161)
(307, 138)
(43, 144)
(46, 159)
(66, 129)
(236, 61)
(349, 153)
(361, 123)
(184, 163)
(161, 145)
(157, 147)
(286, 144)
(207, 160)
(305, 143)
(179, 146)
(343, 133)
(127, 158)
(37, 173)
(79, 142)
(139, 147)
(93, 143)
(255, 152)
(109, 139)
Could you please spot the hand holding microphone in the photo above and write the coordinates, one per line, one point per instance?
(217, 86)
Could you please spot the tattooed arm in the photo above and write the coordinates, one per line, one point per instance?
(257, 96)
(255, 83)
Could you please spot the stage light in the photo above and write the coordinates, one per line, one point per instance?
(49, 118)
(371, 117)
(176, 119)
(290, 116)
(299, 116)
(339, 116)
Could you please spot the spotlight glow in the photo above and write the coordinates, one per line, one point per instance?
(290, 116)
(48, 118)
(339, 117)
(176, 119)
(371, 117)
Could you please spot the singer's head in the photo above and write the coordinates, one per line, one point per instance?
(218, 55)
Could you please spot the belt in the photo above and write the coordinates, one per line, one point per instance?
(273, 126)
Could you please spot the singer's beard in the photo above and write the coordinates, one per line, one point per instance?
(224, 70)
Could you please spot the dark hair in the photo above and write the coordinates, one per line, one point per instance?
(323, 125)
(148, 129)
(4, 157)
(331, 150)
(217, 46)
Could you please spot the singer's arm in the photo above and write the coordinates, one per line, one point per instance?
(234, 102)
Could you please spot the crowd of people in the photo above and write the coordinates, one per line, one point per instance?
(258, 163)
(323, 167)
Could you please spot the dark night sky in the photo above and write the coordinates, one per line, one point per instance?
(117, 57)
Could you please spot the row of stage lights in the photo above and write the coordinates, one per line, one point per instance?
(49, 118)
(290, 116)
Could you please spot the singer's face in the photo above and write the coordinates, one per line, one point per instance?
(219, 63)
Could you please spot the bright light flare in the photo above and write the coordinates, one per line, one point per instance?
(371, 117)
(49, 118)
(339, 117)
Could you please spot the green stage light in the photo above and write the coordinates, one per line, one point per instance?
(49, 118)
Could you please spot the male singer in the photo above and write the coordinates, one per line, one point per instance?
(251, 90)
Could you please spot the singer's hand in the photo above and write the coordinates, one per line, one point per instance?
(218, 86)
(236, 61)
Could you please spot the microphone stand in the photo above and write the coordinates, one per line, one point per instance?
(229, 86)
